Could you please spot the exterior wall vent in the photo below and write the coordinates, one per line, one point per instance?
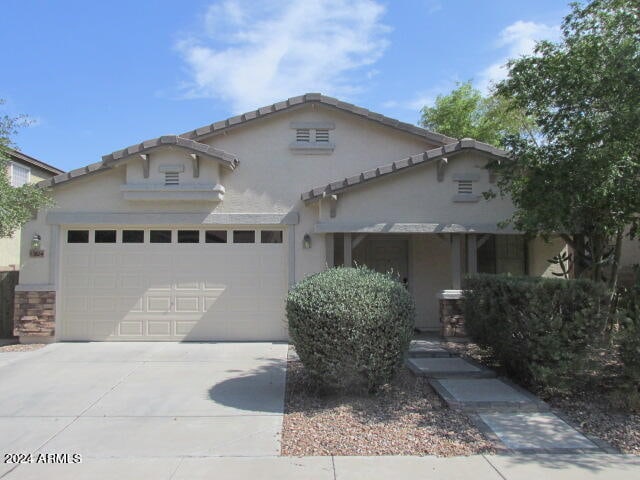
(171, 178)
(322, 135)
(303, 135)
(312, 138)
(465, 187)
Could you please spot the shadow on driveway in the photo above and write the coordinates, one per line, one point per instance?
(260, 390)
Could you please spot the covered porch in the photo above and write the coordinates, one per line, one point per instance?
(425, 217)
(431, 264)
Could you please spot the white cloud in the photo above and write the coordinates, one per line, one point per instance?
(433, 6)
(517, 39)
(422, 98)
(415, 103)
(252, 53)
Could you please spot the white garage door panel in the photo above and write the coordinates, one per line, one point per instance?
(173, 291)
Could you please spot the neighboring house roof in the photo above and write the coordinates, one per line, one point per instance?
(109, 161)
(318, 98)
(24, 158)
(430, 156)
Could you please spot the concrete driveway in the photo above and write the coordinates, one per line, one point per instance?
(164, 401)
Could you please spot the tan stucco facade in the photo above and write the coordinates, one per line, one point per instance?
(423, 204)
(10, 247)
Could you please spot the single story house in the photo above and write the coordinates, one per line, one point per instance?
(199, 236)
(21, 169)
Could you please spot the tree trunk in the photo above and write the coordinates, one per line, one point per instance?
(597, 253)
(579, 258)
(615, 266)
(576, 246)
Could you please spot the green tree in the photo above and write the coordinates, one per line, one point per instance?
(465, 112)
(17, 204)
(581, 176)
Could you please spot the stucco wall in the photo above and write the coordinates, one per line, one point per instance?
(177, 157)
(416, 195)
(269, 179)
(10, 247)
(540, 251)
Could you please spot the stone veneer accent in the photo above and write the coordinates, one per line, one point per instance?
(452, 317)
(34, 314)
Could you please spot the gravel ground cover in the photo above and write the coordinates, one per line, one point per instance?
(594, 406)
(18, 347)
(405, 418)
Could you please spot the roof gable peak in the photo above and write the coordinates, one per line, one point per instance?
(310, 98)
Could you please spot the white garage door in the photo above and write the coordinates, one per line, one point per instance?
(173, 284)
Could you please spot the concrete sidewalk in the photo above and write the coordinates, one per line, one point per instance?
(479, 467)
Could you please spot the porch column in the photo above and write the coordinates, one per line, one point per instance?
(347, 250)
(456, 261)
(472, 253)
(328, 238)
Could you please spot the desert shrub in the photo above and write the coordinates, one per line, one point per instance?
(351, 327)
(538, 328)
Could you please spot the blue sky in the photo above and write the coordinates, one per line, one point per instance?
(99, 76)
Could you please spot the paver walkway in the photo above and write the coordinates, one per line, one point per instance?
(504, 412)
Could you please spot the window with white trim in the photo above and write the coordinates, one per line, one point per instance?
(20, 175)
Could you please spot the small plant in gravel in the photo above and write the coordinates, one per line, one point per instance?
(539, 329)
(351, 327)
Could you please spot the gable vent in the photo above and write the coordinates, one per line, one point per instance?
(303, 135)
(171, 178)
(322, 135)
(465, 187)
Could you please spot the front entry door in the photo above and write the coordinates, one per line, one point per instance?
(384, 254)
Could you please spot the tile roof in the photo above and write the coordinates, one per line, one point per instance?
(398, 166)
(109, 161)
(308, 98)
(190, 140)
(227, 159)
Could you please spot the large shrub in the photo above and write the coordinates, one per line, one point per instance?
(538, 328)
(351, 327)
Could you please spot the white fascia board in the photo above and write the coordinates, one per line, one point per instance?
(106, 218)
(410, 228)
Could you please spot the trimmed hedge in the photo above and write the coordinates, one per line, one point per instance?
(538, 328)
(351, 327)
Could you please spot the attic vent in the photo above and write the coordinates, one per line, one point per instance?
(303, 135)
(322, 135)
(171, 178)
(465, 187)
